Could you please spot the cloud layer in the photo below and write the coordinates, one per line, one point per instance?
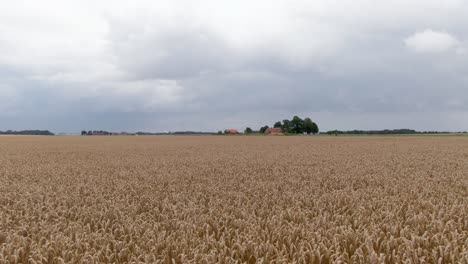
(172, 65)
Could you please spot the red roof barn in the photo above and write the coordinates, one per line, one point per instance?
(231, 131)
(273, 130)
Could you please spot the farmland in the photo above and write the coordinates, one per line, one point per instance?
(236, 199)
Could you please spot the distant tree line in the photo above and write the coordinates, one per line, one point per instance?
(28, 132)
(296, 125)
(95, 132)
(149, 134)
(383, 132)
(107, 133)
(190, 133)
(174, 133)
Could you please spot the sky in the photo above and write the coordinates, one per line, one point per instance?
(208, 65)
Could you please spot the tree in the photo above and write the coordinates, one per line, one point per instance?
(84, 133)
(278, 125)
(286, 126)
(248, 130)
(263, 129)
(297, 125)
(308, 125)
(220, 132)
(315, 128)
(90, 133)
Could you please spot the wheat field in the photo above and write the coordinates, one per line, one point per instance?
(233, 199)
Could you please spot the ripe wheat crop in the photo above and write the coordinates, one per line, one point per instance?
(216, 199)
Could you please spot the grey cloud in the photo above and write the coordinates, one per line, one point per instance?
(168, 55)
(347, 66)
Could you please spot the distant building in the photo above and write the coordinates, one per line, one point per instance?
(231, 131)
(274, 130)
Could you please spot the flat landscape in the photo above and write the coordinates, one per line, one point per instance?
(233, 199)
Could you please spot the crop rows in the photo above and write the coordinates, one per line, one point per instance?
(220, 199)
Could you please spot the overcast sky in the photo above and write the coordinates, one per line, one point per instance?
(213, 64)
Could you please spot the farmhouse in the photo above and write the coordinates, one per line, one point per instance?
(274, 130)
(231, 131)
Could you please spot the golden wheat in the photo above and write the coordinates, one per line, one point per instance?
(215, 199)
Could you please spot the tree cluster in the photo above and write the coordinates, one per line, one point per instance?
(28, 132)
(296, 125)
